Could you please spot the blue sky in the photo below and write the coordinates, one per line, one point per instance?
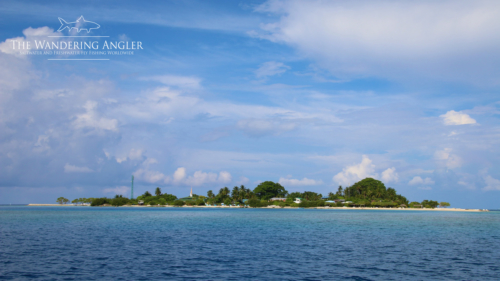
(311, 94)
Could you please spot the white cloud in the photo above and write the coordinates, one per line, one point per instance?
(355, 173)
(491, 183)
(224, 177)
(185, 82)
(451, 161)
(120, 190)
(271, 68)
(200, 178)
(179, 174)
(91, 119)
(419, 181)
(151, 176)
(180, 177)
(9, 46)
(75, 169)
(296, 182)
(390, 175)
(457, 118)
(451, 39)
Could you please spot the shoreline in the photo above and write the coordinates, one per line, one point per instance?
(276, 207)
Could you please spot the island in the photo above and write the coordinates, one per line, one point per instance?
(366, 194)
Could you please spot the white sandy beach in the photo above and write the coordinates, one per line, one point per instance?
(277, 207)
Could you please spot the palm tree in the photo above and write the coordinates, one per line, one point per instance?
(226, 191)
(235, 193)
(210, 194)
(242, 192)
(158, 191)
(340, 191)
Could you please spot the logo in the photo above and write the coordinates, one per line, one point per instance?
(80, 24)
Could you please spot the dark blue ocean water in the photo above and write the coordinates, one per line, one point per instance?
(83, 243)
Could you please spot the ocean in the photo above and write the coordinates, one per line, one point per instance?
(92, 243)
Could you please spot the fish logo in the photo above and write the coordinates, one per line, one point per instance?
(80, 24)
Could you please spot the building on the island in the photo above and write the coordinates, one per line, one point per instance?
(330, 201)
(189, 198)
(140, 202)
(339, 200)
(324, 198)
(298, 200)
(277, 199)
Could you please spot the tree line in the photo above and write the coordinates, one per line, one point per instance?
(368, 192)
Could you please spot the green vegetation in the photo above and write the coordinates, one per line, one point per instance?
(368, 192)
(147, 198)
(430, 204)
(62, 200)
(268, 189)
(236, 196)
(444, 204)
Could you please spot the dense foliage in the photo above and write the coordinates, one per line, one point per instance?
(230, 197)
(268, 189)
(62, 200)
(369, 190)
(159, 199)
(306, 195)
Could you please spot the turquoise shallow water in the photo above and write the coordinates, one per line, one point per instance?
(69, 243)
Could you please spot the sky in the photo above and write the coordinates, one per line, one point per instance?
(310, 94)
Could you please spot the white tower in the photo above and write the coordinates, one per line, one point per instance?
(191, 193)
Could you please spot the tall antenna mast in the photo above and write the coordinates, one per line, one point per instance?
(132, 189)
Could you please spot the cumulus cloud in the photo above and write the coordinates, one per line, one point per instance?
(151, 176)
(451, 161)
(457, 118)
(390, 175)
(420, 181)
(91, 119)
(271, 68)
(296, 182)
(491, 183)
(354, 173)
(449, 39)
(180, 177)
(10, 46)
(75, 169)
(179, 174)
(200, 178)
